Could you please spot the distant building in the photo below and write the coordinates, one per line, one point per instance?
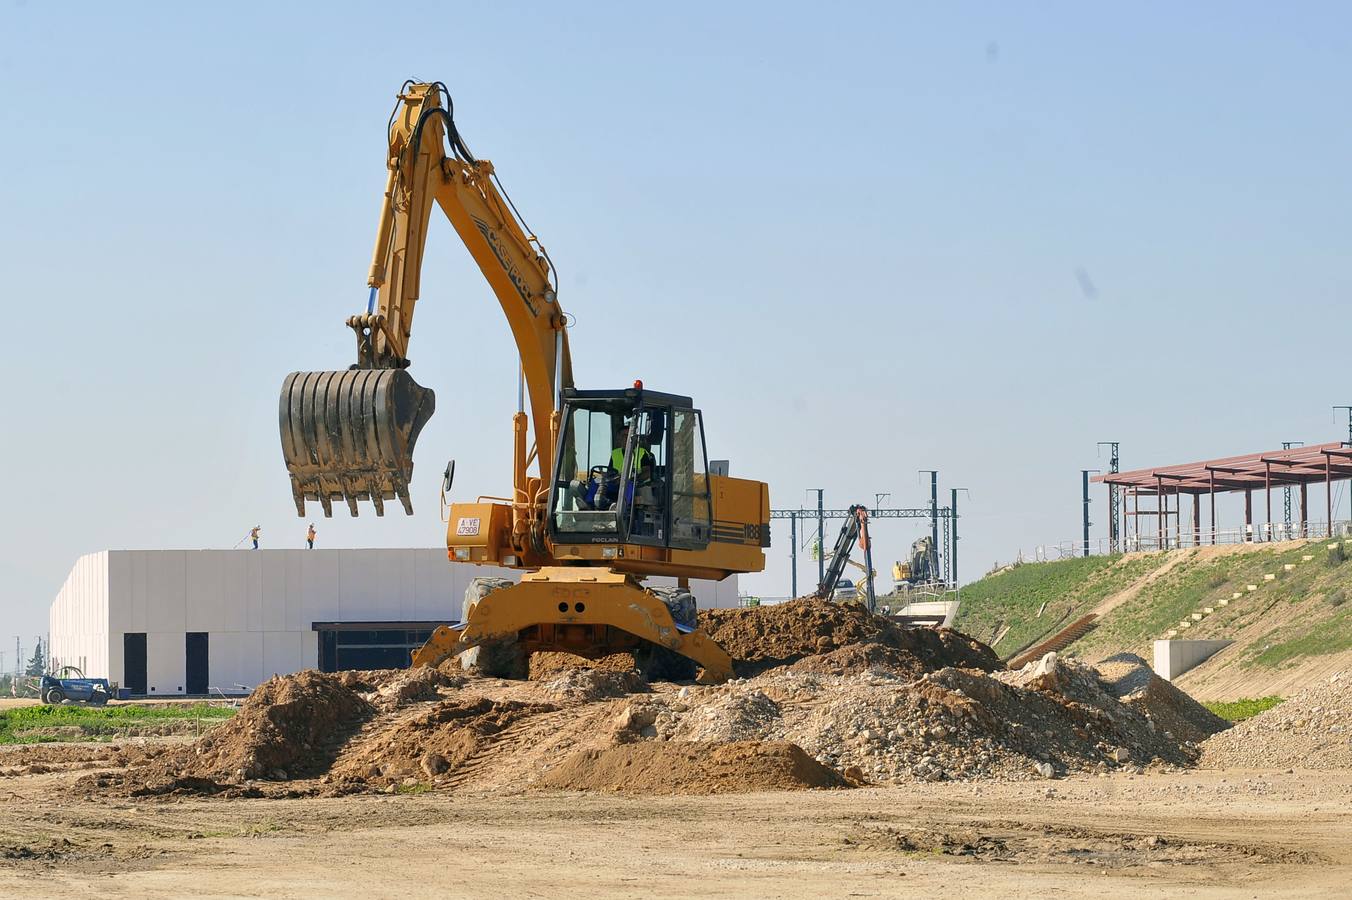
(165, 622)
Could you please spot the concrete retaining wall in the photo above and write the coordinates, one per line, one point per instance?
(1173, 658)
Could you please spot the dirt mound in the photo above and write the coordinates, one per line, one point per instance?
(684, 767)
(1132, 681)
(290, 727)
(287, 728)
(763, 637)
(1311, 730)
(545, 666)
(855, 659)
(429, 743)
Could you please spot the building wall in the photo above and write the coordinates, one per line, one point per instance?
(257, 606)
(78, 620)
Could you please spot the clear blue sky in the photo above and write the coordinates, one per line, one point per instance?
(852, 233)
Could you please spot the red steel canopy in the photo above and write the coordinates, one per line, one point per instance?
(1253, 471)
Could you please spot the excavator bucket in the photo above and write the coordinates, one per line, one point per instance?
(349, 435)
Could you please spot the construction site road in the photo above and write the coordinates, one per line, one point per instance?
(1196, 834)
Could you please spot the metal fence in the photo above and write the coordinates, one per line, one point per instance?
(1264, 533)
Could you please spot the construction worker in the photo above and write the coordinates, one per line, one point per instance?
(642, 457)
(310, 536)
(253, 535)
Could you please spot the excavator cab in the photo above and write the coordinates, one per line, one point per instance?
(631, 469)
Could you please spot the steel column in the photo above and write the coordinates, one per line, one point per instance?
(1084, 494)
(1267, 486)
(793, 555)
(1328, 491)
(1248, 514)
(1304, 509)
(821, 538)
(1211, 489)
(1197, 520)
(934, 509)
(1160, 501)
(953, 524)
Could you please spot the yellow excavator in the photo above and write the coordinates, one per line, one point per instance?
(621, 489)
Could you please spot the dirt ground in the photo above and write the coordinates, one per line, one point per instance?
(1195, 834)
(850, 758)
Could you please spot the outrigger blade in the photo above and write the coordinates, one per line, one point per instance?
(349, 435)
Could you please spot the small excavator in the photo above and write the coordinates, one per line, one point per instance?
(854, 529)
(621, 489)
(921, 568)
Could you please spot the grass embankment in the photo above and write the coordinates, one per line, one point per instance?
(1036, 599)
(1239, 710)
(43, 724)
(1300, 614)
(1305, 606)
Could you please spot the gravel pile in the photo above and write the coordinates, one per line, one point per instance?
(1311, 730)
(1053, 718)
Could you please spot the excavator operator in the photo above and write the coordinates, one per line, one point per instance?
(602, 489)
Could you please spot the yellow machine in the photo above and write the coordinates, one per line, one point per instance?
(621, 490)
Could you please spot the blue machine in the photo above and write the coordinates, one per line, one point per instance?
(57, 690)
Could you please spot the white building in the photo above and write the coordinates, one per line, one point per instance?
(195, 621)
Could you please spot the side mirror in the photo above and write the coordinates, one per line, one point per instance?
(447, 479)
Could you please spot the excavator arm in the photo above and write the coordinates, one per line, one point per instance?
(350, 435)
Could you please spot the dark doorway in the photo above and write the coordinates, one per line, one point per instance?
(134, 662)
(197, 662)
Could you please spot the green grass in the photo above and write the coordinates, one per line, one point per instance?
(1239, 710)
(1060, 590)
(1332, 635)
(41, 724)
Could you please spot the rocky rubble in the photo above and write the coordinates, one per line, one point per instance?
(1311, 730)
(1053, 718)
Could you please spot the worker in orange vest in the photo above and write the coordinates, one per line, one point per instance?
(310, 536)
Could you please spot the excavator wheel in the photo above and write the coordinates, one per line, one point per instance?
(501, 658)
(349, 436)
(657, 663)
(679, 602)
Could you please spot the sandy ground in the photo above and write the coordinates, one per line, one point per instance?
(1195, 834)
(18, 702)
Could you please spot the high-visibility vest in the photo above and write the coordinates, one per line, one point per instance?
(617, 458)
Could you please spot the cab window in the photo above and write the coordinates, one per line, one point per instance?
(587, 489)
(690, 506)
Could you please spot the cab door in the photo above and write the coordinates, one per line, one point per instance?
(647, 478)
(691, 506)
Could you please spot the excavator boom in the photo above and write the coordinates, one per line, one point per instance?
(349, 435)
